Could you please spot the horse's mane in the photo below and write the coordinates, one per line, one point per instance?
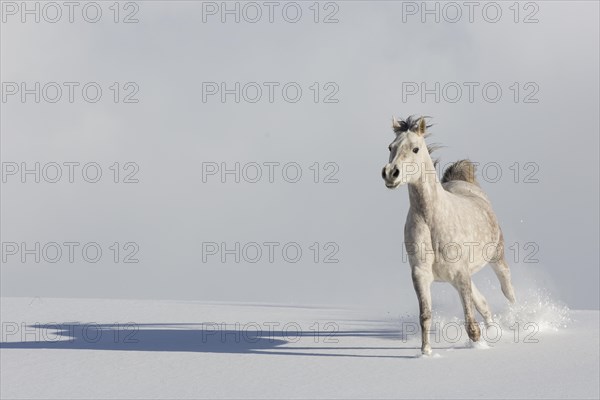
(412, 124)
(461, 170)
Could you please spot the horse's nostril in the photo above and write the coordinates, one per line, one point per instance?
(383, 173)
(396, 172)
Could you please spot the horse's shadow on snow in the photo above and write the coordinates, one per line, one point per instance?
(200, 338)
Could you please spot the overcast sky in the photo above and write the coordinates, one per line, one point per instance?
(541, 134)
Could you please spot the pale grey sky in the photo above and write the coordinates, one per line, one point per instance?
(367, 57)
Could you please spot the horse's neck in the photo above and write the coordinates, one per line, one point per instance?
(426, 194)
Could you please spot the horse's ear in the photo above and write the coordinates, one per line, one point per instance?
(395, 124)
(422, 126)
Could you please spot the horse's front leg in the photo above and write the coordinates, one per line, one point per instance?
(422, 277)
(463, 285)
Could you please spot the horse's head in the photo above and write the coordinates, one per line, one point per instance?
(408, 152)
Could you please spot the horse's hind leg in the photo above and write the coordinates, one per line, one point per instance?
(481, 305)
(503, 273)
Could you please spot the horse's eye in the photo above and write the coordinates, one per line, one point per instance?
(416, 150)
(390, 147)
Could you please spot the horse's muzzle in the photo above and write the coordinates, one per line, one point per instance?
(390, 174)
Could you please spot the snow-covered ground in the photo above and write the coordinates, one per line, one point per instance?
(90, 348)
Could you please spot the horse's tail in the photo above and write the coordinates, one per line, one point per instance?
(462, 170)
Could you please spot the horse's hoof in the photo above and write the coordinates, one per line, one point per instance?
(474, 332)
(426, 351)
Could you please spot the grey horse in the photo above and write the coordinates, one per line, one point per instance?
(451, 231)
